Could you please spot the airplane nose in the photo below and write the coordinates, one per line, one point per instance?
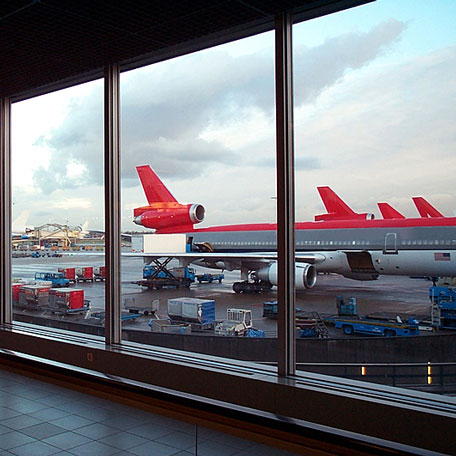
(137, 220)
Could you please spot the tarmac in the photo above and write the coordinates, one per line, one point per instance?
(390, 295)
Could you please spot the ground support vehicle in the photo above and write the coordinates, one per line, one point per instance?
(125, 317)
(443, 307)
(198, 313)
(158, 276)
(257, 286)
(377, 326)
(237, 323)
(57, 278)
(209, 278)
(308, 324)
(132, 307)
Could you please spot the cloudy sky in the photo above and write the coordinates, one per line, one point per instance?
(374, 119)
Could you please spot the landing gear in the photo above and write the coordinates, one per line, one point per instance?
(251, 287)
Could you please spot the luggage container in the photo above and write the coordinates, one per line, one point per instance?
(69, 273)
(34, 296)
(67, 301)
(200, 313)
(99, 273)
(15, 291)
(84, 274)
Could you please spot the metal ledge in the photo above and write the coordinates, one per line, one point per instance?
(356, 410)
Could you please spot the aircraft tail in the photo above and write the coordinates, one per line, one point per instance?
(425, 208)
(388, 212)
(19, 224)
(154, 188)
(337, 208)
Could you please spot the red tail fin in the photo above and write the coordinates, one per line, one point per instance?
(388, 212)
(154, 188)
(337, 208)
(426, 209)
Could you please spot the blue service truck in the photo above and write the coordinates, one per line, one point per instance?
(57, 278)
(157, 278)
(443, 307)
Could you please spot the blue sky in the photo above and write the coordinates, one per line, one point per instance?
(374, 118)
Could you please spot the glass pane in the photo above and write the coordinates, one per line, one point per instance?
(58, 226)
(199, 131)
(374, 123)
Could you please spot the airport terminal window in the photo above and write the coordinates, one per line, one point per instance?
(58, 218)
(205, 124)
(391, 62)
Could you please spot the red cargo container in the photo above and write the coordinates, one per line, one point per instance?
(64, 300)
(34, 296)
(100, 273)
(85, 274)
(16, 288)
(69, 273)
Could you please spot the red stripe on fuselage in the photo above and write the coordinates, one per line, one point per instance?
(323, 225)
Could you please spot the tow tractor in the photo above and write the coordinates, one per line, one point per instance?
(443, 307)
(57, 278)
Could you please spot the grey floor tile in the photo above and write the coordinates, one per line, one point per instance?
(49, 414)
(123, 422)
(123, 440)
(20, 422)
(178, 440)
(55, 400)
(74, 406)
(43, 430)
(35, 449)
(4, 429)
(153, 448)
(25, 405)
(150, 431)
(14, 439)
(67, 440)
(94, 449)
(72, 422)
(97, 414)
(6, 413)
(211, 448)
(96, 431)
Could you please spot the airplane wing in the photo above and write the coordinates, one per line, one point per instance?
(228, 261)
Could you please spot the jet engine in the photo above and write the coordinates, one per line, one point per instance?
(305, 275)
(160, 218)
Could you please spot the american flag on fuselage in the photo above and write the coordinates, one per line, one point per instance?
(439, 256)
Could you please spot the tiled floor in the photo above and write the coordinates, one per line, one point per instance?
(40, 419)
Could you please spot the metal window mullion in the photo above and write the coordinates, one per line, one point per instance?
(113, 330)
(5, 211)
(286, 294)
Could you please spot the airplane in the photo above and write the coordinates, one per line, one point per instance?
(19, 226)
(342, 241)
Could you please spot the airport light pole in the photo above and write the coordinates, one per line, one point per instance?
(113, 330)
(5, 211)
(286, 294)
